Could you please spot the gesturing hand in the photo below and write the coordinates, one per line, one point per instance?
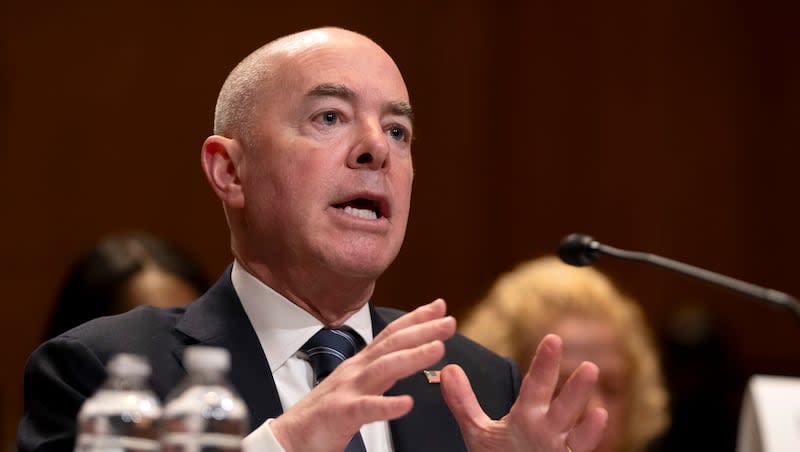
(537, 421)
(351, 396)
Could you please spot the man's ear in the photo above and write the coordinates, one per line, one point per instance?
(220, 158)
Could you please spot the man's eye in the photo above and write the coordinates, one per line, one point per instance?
(329, 118)
(398, 133)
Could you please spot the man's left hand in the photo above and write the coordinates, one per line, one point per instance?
(537, 421)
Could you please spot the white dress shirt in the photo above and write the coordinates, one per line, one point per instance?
(282, 328)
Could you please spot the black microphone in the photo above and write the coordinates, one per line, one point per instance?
(581, 250)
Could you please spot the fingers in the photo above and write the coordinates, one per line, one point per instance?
(459, 396)
(413, 342)
(433, 310)
(410, 336)
(569, 407)
(407, 345)
(382, 373)
(589, 431)
(571, 402)
(372, 407)
(352, 395)
(540, 382)
(535, 422)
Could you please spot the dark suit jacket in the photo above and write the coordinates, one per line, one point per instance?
(66, 370)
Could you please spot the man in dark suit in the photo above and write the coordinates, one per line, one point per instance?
(311, 158)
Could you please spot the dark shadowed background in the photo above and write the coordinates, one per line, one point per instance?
(666, 126)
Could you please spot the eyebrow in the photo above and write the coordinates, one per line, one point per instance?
(331, 90)
(400, 108)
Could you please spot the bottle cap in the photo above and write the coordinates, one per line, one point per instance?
(202, 357)
(129, 364)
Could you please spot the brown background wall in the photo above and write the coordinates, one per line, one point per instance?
(667, 126)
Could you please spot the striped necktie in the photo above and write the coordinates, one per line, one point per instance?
(326, 350)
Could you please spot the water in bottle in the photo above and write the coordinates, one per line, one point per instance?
(204, 413)
(122, 416)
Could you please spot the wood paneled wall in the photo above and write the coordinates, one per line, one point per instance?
(666, 126)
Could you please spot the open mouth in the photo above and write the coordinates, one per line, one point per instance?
(363, 208)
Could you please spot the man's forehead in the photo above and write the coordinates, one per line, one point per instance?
(334, 63)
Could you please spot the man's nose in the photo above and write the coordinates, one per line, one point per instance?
(371, 150)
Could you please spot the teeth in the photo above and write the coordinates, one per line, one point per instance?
(361, 213)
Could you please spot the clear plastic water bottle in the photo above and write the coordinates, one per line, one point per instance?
(123, 415)
(204, 413)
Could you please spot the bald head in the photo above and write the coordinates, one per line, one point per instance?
(246, 86)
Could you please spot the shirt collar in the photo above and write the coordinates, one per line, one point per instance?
(283, 327)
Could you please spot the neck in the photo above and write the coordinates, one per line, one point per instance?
(331, 300)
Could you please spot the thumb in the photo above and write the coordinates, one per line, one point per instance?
(461, 399)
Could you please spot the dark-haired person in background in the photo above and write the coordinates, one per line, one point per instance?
(121, 272)
(311, 159)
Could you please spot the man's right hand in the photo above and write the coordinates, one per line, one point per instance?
(328, 416)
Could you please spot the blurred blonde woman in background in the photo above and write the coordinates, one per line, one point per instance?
(596, 323)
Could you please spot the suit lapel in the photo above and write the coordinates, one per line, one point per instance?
(218, 319)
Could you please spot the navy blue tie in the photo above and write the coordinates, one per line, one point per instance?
(326, 350)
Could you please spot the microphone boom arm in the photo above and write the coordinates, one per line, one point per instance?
(594, 248)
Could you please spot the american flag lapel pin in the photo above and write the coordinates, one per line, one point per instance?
(432, 376)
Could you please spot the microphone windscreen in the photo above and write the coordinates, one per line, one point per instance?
(575, 250)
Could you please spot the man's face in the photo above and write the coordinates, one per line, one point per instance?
(327, 174)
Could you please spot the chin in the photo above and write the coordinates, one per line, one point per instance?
(362, 259)
(362, 265)
(369, 270)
